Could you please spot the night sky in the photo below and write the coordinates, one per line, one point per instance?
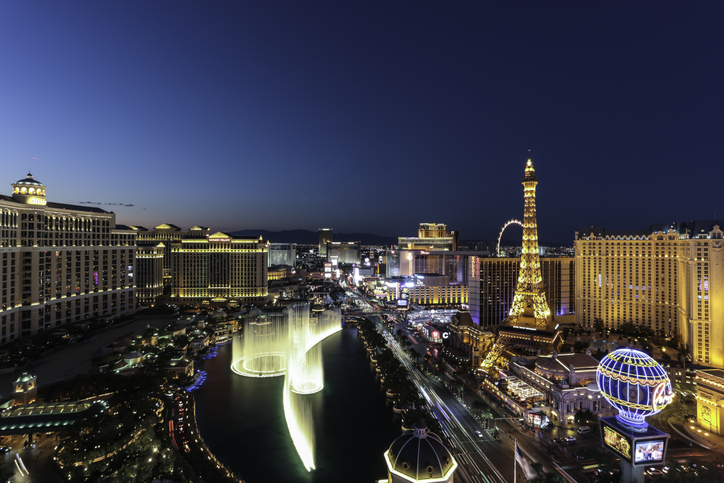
(368, 116)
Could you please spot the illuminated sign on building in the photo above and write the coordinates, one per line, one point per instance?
(649, 451)
(618, 442)
(36, 201)
(219, 239)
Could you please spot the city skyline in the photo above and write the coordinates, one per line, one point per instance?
(366, 118)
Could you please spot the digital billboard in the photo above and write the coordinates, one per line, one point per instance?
(618, 442)
(651, 451)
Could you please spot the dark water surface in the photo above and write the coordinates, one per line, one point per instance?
(242, 420)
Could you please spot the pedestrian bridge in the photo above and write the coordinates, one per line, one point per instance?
(47, 417)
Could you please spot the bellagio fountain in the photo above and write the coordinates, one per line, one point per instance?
(287, 344)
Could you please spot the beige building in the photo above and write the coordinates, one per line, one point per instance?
(430, 236)
(669, 279)
(60, 263)
(165, 234)
(710, 400)
(219, 269)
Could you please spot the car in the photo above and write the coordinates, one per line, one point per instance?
(571, 439)
(689, 416)
(559, 440)
(478, 433)
(4, 449)
(584, 430)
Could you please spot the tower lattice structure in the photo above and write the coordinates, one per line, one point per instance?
(529, 309)
(529, 301)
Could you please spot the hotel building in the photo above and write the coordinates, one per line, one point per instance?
(283, 254)
(668, 278)
(164, 234)
(149, 271)
(219, 269)
(430, 236)
(60, 263)
(343, 252)
(326, 235)
(493, 281)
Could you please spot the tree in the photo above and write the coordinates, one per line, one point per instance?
(584, 416)
(598, 325)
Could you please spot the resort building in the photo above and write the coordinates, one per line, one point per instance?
(61, 263)
(430, 236)
(667, 278)
(326, 235)
(219, 269)
(493, 281)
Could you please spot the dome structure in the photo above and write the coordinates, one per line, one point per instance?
(29, 180)
(29, 191)
(419, 456)
(635, 384)
(551, 367)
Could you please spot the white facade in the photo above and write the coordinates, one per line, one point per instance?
(60, 263)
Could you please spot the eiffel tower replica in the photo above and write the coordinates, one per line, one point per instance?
(529, 321)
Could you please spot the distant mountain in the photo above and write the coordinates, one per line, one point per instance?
(307, 237)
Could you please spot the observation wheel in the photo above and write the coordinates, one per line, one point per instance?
(500, 235)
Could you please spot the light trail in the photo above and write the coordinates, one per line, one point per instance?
(456, 431)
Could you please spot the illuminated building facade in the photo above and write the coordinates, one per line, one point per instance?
(529, 320)
(493, 283)
(326, 235)
(431, 236)
(343, 252)
(668, 279)
(165, 233)
(470, 338)
(454, 264)
(219, 269)
(283, 254)
(149, 271)
(710, 400)
(566, 379)
(419, 456)
(60, 263)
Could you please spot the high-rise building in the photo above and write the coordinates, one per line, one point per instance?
(668, 278)
(283, 254)
(219, 269)
(326, 235)
(61, 263)
(454, 264)
(430, 236)
(493, 281)
(165, 233)
(343, 252)
(149, 271)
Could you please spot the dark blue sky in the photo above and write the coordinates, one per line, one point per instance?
(368, 116)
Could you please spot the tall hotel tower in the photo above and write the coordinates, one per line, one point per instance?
(669, 278)
(60, 263)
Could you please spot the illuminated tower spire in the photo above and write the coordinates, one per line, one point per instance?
(529, 304)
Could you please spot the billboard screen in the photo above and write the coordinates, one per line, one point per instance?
(651, 451)
(401, 303)
(618, 442)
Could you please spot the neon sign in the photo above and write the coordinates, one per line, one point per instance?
(36, 201)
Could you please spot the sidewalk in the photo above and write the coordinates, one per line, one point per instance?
(695, 433)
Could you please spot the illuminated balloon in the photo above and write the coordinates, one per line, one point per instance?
(635, 384)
